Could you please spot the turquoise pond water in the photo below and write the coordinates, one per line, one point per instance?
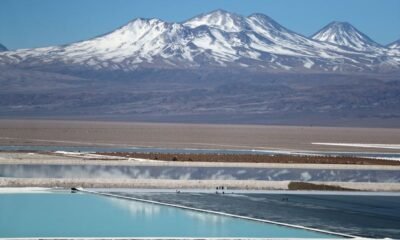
(84, 215)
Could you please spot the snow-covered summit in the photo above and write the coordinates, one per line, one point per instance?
(345, 34)
(216, 39)
(220, 19)
(232, 22)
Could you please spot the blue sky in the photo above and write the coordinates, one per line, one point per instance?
(38, 23)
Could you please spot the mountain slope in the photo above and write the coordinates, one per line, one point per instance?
(214, 40)
(394, 45)
(345, 34)
(2, 48)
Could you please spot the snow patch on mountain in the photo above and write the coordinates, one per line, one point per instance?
(345, 34)
(394, 48)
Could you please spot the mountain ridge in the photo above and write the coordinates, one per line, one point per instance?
(217, 39)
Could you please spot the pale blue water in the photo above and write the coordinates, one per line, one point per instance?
(369, 215)
(83, 215)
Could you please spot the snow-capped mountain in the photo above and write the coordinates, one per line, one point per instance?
(220, 19)
(345, 34)
(217, 39)
(2, 48)
(394, 45)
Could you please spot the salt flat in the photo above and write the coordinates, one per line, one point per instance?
(124, 134)
(82, 159)
(180, 184)
(48, 159)
(207, 136)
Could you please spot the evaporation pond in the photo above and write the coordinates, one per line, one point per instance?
(56, 214)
